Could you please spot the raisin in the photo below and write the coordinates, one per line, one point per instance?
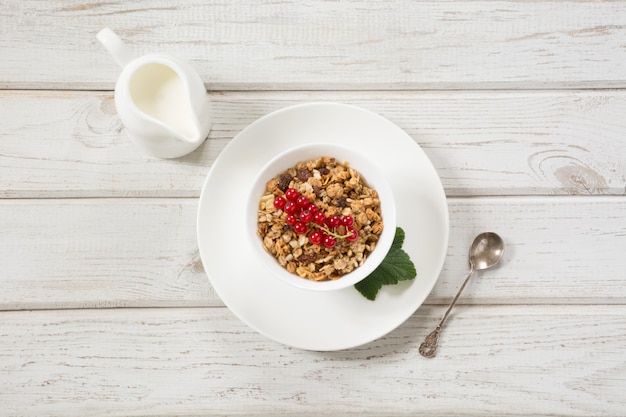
(287, 228)
(341, 202)
(303, 174)
(283, 182)
(324, 171)
(306, 258)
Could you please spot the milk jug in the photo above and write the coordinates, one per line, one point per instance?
(161, 100)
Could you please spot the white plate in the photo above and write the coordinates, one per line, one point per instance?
(308, 319)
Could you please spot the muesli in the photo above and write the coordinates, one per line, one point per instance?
(319, 219)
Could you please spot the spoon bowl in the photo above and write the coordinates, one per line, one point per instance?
(486, 251)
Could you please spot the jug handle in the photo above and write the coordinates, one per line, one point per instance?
(115, 46)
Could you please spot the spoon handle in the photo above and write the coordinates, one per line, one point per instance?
(428, 348)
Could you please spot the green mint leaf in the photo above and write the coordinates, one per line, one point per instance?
(369, 287)
(396, 267)
(398, 239)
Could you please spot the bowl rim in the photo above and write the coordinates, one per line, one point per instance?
(372, 174)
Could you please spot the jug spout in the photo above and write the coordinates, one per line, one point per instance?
(199, 118)
(115, 46)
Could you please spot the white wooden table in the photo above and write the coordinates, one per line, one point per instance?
(521, 106)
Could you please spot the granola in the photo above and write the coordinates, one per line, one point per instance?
(335, 189)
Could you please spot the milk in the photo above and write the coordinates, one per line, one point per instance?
(158, 91)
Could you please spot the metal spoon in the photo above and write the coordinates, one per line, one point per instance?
(486, 251)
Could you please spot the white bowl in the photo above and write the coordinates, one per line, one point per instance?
(372, 176)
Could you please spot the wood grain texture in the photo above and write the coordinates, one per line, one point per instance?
(81, 253)
(499, 360)
(317, 44)
(481, 143)
(101, 253)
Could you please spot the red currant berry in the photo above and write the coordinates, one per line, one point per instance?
(315, 237)
(313, 208)
(305, 216)
(279, 202)
(292, 194)
(353, 234)
(303, 202)
(300, 228)
(319, 218)
(291, 219)
(329, 241)
(334, 221)
(290, 207)
(347, 221)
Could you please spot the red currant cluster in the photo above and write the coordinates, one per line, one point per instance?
(303, 215)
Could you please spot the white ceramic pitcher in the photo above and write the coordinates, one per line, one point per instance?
(161, 100)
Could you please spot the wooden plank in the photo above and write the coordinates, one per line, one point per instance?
(101, 253)
(487, 143)
(77, 253)
(498, 360)
(315, 44)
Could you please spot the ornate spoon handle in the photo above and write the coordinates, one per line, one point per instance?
(428, 348)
